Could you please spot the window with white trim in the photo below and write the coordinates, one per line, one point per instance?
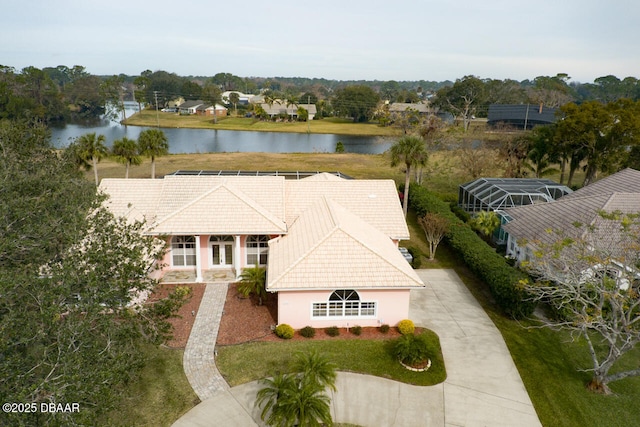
(344, 303)
(183, 250)
(257, 250)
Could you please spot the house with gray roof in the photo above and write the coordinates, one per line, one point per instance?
(329, 244)
(538, 225)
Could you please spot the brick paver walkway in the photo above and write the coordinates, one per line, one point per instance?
(198, 360)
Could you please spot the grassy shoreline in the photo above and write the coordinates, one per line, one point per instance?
(326, 126)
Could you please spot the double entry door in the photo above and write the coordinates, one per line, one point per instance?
(221, 251)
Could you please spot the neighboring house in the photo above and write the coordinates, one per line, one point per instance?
(520, 116)
(243, 99)
(330, 244)
(291, 110)
(190, 107)
(535, 224)
(210, 110)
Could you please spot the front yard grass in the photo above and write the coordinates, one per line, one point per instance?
(244, 363)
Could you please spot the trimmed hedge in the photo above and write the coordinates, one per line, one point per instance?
(483, 260)
(284, 331)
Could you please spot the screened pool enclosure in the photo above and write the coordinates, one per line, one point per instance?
(492, 194)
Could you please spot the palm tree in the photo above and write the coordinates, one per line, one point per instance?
(125, 151)
(153, 143)
(410, 151)
(486, 222)
(92, 148)
(312, 366)
(252, 281)
(299, 398)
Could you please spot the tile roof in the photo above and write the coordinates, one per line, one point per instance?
(375, 201)
(625, 181)
(329, 246)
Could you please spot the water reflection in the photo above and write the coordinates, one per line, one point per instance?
(216, 141)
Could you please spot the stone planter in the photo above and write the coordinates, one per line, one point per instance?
(411, 368)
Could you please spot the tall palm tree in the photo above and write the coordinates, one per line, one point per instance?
(92, 148)
(252, 281)
(125, 150)
(153, 143)
(410, 151)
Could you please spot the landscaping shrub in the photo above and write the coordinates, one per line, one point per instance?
(489, 266)
(284, 331)
(308, 332)
(356, 330)
(384, 328)
(417, 256)
(332, 331)
(406, 327)
(410, 349)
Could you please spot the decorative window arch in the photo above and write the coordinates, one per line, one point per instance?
(183, 250)
(344, 303)
(257, 250)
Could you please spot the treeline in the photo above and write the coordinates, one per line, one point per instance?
(60, 94)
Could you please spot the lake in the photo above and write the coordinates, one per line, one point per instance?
(185, 140)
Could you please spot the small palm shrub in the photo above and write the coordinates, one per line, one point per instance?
(384, 328)
(284, 331)
(406, 327)
(356, 330)
(332, 331)
(308, 332)
(411, 349)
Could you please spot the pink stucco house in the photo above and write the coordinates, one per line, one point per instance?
(329, 244)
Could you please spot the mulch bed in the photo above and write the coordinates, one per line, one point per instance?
(243, 320)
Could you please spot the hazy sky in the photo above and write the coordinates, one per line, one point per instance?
(344, 40)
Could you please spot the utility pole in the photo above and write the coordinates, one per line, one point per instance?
(308, 124)
(155, 93)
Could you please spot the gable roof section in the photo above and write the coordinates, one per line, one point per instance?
(330, 247)
(201, 204)
(222, 209)
(374, 201)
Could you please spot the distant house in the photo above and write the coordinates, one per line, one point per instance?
(190, 107)
(210, 110)
(520, 116)
(530, 225)
(291, 110)
(330, 245)
(243, 99)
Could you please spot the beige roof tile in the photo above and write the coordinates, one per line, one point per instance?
(374, 201)
(328, 246)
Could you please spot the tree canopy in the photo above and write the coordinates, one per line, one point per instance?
(69, 272)
(358, 102)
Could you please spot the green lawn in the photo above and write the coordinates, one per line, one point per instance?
(240, 364)
(328, 125)
(159, 396)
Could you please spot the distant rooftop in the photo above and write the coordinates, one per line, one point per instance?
(286, 174)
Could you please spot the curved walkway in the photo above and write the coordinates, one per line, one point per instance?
(483, 387)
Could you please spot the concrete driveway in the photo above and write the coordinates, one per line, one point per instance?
(483, 387)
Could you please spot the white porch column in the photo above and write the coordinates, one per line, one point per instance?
(198, 261)
(236, 256)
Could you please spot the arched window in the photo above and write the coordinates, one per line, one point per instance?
(257, 250)
(183, 250)
(344, 303)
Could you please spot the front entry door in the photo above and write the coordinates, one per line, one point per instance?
(222, 251)
(222, 254)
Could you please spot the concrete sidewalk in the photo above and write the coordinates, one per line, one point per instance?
(483, 387)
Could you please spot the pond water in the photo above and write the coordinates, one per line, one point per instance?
(218, 141)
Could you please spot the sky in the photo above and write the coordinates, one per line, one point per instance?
(343, 40)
